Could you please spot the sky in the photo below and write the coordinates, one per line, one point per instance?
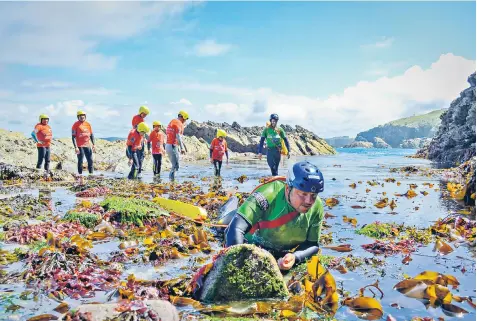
(336, 68)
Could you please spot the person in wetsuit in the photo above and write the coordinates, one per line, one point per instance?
(273, 136)
(82, 135)
(42, 135)
(282, 215)
(135, 149)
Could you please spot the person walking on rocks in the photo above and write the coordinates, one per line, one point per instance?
(274, 136)
(42, 135)
(83, 142)
(174, 133)
(157, 141)
(281, 215)
(218, 147)
(135, 150)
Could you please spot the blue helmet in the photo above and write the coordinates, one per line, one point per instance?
(274, 116)
(306, 177)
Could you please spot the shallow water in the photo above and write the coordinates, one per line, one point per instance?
(347, 167)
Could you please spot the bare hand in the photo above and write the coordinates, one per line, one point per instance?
(183, 152)
(41, 142)
(260, 156)
(77, 150)
(211, 161)
(286, 262)
(94, 149)
(130, 162)
(227, 162)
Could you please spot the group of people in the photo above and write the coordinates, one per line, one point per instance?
(170, 142)
(283, 215)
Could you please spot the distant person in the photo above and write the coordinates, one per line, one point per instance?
(42, 135)
(139, 118)
(157, 140)
(274, 136)
(174, 133)
(83, 142)
(135, 149)
(218, 148)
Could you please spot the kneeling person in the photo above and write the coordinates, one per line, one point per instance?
(282, 215)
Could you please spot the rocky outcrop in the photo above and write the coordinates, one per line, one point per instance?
(20, 152)
(415, 143)
(338, 142)
(245, 139)
(358, 144)
(395, 132)
(455, 140)
(243, 272)
(380, 143)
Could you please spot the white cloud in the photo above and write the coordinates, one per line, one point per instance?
(23, 109)
(67, 34)
(210, 47)
(356, 108)
(384, 42)
(227, 109)
(182, 101)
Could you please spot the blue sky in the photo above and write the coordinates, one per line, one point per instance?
(336, 68)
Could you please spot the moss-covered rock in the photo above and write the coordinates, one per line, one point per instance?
(132, 210)
(244, 272)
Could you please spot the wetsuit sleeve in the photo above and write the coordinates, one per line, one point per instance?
(73, 139)
(306, 250)
(211, 149)
(236, 231)
(227, 154)
(314, 231)
(260, 145)
(33, 134)
(129, 152)
(149, 145)
(92, 138)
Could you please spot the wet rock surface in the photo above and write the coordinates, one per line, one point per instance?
(244, 272)
(455, 139)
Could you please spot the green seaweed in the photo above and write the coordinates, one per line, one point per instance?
(132, 210)
(88, 220)
(377, 230)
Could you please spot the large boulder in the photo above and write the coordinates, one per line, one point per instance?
(245, 139)
(380, 143)
(243, 272)
(359, 144)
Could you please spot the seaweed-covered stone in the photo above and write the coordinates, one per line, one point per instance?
(243, 272)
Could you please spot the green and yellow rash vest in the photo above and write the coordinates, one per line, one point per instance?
(273, 136)
(268, 203)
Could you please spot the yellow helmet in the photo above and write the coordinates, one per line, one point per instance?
(221, 133)
(43, 116)
(156, 123)
(184, 114)
(144, 109)
(80, 112)
(143, 128)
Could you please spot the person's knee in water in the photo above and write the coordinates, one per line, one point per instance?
(283, 214)
(218, 148)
